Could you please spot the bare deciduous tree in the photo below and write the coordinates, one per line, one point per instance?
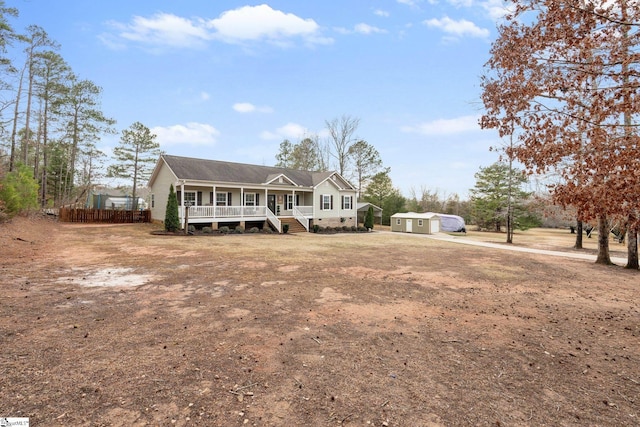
(341, 137)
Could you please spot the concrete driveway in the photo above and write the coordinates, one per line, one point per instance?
(506, 247)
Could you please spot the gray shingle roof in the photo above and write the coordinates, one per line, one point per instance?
(217, 171)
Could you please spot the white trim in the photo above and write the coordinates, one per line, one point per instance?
(195, 197)
(226, 198)
(344, 205)
(328, 201)
(253, 202)
(335, 184)
(281, 176)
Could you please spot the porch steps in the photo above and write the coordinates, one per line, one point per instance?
(294, 225)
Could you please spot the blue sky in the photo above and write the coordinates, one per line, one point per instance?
(229, 80)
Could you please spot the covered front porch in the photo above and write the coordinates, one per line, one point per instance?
(243, 204)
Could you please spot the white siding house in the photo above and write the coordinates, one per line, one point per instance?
(223, 193)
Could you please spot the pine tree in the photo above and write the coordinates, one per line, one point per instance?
(136, 154)
(368, 219)
(171, 218)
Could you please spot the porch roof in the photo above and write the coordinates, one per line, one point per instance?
(189, 168)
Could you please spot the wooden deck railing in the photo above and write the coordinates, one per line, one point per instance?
(103, 216)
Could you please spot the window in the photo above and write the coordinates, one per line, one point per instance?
(289, 202)
(326, 202)
(250, 199)
(190, 198)
(221, 199)
(420, 223)
(347, 202)
(398, 221)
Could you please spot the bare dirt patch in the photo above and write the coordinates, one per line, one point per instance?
(112, 326)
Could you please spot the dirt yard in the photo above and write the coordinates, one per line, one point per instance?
(113, 326)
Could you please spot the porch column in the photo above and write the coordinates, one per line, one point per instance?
(183, 220)
(213, 201)
(266, 199)
(241, 201)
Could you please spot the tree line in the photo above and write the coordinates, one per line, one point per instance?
(50, 122)
(498, 199)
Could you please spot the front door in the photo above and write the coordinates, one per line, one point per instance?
(409, 226)
(271, 202)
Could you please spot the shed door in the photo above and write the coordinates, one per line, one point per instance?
(435, 226)
(409, 226)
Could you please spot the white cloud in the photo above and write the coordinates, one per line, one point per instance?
(190, 134)
(247, 107)
(242, 25)
(253, 23)
(204, 96)
(408, 2)
(289, 131)
(496, 9)
(458, 3)
(244, 107)
(459, 28)
(381, 12)
(163, 29)
(363, 28)
(445, 126)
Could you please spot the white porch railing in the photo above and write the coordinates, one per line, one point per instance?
(305, 210)
(224, 211)
(274, 220)
(300, 217)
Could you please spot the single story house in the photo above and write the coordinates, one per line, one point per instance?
(411, 222)
(218, 193)
(362, 212)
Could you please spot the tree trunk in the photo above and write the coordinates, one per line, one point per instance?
(509, 226)
(27, 130)
(632, 225)
(578, 244)
(603, 241)
(510, 196)
(45, 164)
(36, 155)
(134, 202)
(14, 129)
(632, 244)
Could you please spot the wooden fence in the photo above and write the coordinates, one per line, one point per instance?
(103, 215)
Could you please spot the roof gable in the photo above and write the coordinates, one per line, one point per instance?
(156, 170)
(364, 206)
(280, 179)
(334, 178)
